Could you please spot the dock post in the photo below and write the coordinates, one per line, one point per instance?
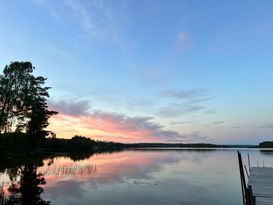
(242, 177)
(252, 200)
(248, 161)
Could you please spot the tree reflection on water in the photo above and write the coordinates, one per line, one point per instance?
(26, 190)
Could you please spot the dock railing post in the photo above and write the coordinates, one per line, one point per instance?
(242, 177)
(246, 171)
(248, 162)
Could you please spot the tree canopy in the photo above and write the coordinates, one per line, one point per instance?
(23, 100)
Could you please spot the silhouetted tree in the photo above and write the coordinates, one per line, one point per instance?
(23, 100)
(13, 80)
(38, 113)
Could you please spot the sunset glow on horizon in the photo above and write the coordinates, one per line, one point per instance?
(66, 126)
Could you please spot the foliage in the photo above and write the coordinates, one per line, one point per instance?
(23, 100)
(13, 83)
(78, 144)
(13, 144)
(266, 144)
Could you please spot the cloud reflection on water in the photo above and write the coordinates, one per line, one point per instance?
(139, 177)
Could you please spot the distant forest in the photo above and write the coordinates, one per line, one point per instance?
(15, 144)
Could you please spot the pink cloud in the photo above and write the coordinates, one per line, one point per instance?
(109, 126)
(104, 127)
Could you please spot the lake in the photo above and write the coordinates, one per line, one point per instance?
(132, 177)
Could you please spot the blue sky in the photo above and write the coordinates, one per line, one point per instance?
(178, 71)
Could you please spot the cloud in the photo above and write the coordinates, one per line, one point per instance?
(96, 21)
(127, 123)
(267, 126)
(182, 42)
(77, 118)
(235, 127)
(193, 123)
(84, 17)
(181, 122)
(219, 122)
(210, 111)
(70, 107)
(193, 95)
(134, 126)
(191, 138)
(177, 110)
(186, 101)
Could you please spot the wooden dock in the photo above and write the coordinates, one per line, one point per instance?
(259, 189)
(261, 181)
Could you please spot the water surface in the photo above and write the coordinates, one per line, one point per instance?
(138, 177)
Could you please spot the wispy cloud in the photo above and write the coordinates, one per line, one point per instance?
(191, 138)
(90, 23)
(182, 42)
(96, 21)
(193, 95)
(181, 122)
(186, 101)
(219, 122)
(70, 106)
(178, 110)
(266, 126)
(192, 123)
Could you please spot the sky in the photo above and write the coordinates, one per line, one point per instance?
(174, 71)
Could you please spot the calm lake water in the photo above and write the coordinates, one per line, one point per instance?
(137, 177)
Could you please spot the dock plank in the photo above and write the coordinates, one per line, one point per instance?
(261, 180)
(264, 201)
